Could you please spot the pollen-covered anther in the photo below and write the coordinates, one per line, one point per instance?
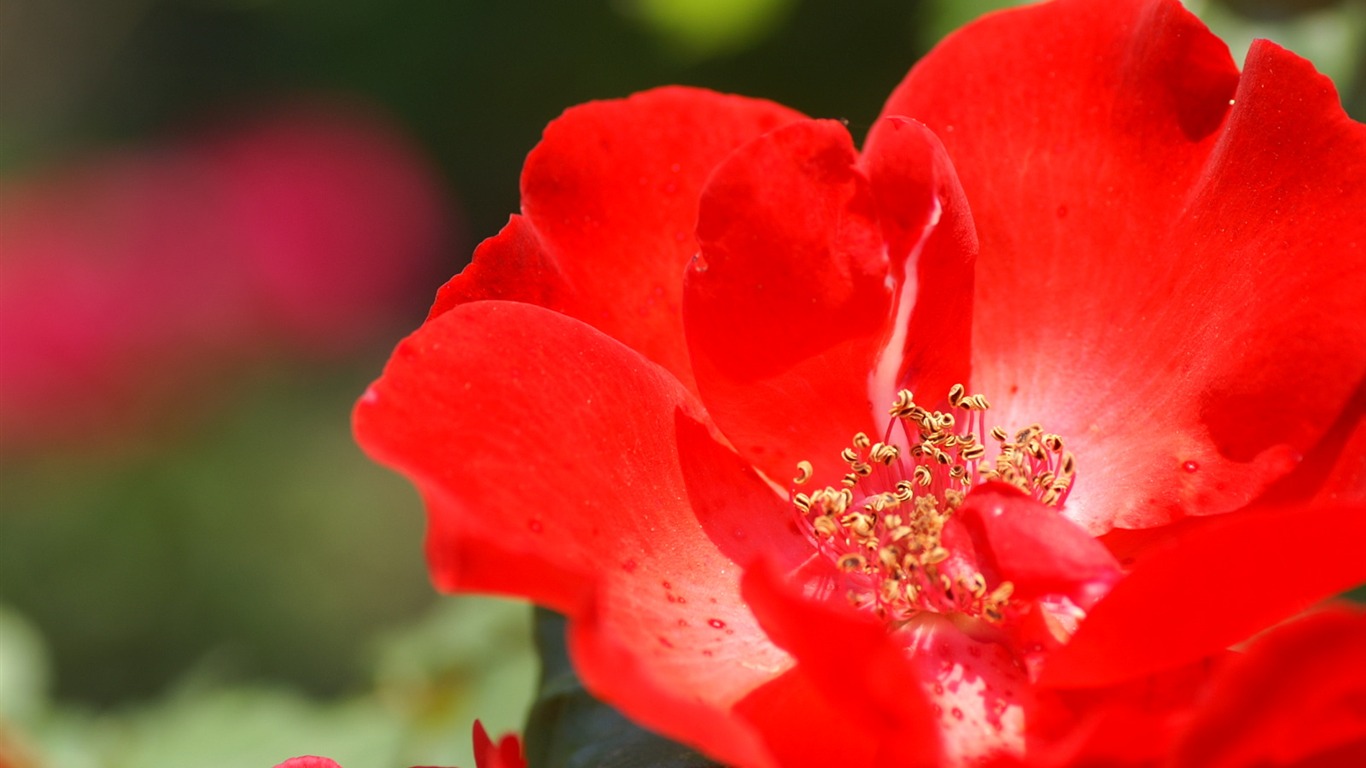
(851, 562)
(825, 525)
(882, 526)
(883, 453)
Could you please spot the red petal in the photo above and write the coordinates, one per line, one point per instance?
(856, 666)
(513, 265)
(610, 201)
(803, 728)
(1131, 724)
(787, 305)
(1162, 276)
(506, 753)
(979, 691)
(1346, 481)
(1017, 539)
(309, 761)
(1298, 693)
(1335, 469)
(911, 175)
(1212, 588)
(576, 473)
(699, 714)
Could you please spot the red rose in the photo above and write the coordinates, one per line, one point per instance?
(672, 400)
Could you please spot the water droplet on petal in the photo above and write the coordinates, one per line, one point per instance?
(717, 623)
(699, 263)
(1191, 466)
(957, 713)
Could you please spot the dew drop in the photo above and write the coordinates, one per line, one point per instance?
(699, 263)
(682, 622)
(681, 599)
(1191, 466)
(666, 585)
(717, 623)
(939, 688)
(671, 598)
(957, 713)
(707, 653)
(664, 641)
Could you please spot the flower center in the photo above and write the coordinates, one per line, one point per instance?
(883, 527)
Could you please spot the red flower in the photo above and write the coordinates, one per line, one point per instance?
(309, 761)
(504, 753)
(636, 406)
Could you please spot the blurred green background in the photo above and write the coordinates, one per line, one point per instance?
(223, 579)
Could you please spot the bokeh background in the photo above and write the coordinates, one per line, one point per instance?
(216, 218)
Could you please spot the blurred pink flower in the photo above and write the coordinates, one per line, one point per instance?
(302, 230)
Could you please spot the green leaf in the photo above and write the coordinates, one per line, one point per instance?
(568, 728)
